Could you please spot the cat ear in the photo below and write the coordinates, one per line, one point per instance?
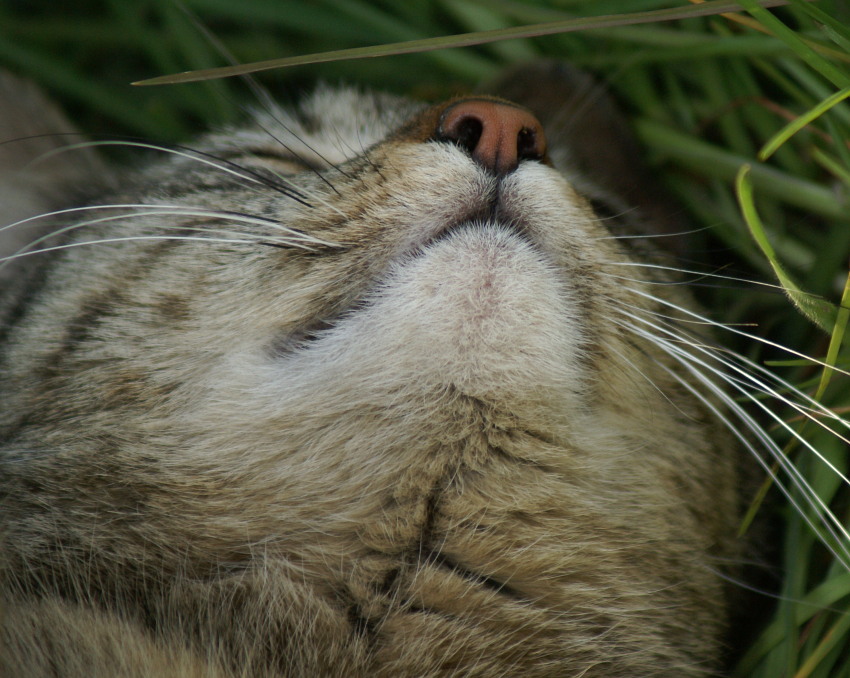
(34, 179)
(591, 143)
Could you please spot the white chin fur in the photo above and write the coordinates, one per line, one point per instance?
(480, 310)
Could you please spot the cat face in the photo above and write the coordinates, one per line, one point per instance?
(391, 377)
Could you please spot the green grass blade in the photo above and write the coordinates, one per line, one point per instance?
(805, 51)
(824, 596)
(818, 311)
(836, 339)
(722, 164)
(838, 32)
(829, 640)
(796, 125)
(709, 8)
(832, 165)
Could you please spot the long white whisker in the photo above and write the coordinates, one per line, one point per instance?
(815, 406)
(730, 328)
(673, 269)
(101, 241)
(749, 379)
(645, 377)
(811, 497)
(298, 192)
(649, 236)
(197, 156)
(690, 361)
(290, 237)
(177, 210)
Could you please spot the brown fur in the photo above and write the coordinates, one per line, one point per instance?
(426, 446)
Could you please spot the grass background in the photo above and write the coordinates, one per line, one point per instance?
(705, 95)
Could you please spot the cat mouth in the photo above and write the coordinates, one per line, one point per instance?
(490, 213)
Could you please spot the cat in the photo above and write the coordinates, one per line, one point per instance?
(366, 387)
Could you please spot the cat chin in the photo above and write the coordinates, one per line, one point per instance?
(480, 310)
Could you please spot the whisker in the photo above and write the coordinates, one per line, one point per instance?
(824, 514)
(267, 104)
(19, 255)
(748, 335)
(263, 97)
(295, 154)
(648, 236)
(316, 198)
(283, 185)
(247, 174)
(646, 378)
(699, 274)
(746, 372)
(286, 238)
(675, 322)
(743, 386)
(170, 210)
(675, 345)
(829, 522)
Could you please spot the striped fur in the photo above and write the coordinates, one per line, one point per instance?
(322, 397)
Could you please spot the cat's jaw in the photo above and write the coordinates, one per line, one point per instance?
(480, 310)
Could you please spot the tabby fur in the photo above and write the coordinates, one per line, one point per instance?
(323, 396)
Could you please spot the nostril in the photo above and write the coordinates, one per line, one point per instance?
(466, 133)
(528, 144)
(497, 134)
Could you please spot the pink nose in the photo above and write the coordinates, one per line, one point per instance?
(497, 134)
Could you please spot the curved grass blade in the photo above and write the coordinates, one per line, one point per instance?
(819, 311)
(710, 8)
(799, 123)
